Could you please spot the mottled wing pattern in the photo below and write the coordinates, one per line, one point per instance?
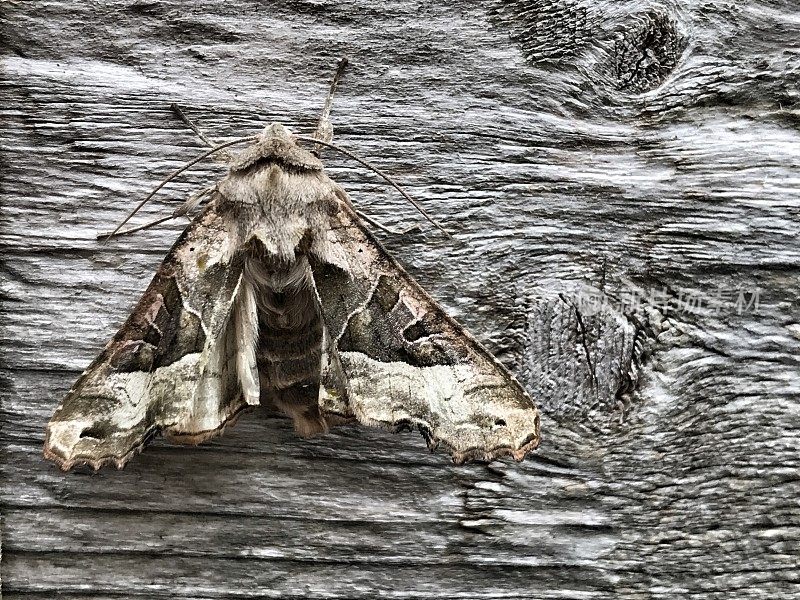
(170, 366)
(400, 361)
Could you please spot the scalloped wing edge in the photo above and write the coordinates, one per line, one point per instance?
(177, 437)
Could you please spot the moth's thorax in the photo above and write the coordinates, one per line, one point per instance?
(281, 198)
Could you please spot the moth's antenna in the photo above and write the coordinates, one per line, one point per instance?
(388, 179)
(324, 134)
(190, 204)
(324, 131)
(190, 124)
(178, 111)
(105, 236)
(173, 175)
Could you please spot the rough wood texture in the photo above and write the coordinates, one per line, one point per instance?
(585, 155)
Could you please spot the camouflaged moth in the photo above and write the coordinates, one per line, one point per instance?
(277, 294)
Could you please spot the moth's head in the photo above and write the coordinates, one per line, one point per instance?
(276, 144)
(276, 131)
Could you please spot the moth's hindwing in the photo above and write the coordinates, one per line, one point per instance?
(401, 361)
(169, 367)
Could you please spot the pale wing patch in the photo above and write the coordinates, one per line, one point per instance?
(455, 404)
(245, 317)
(120, 416)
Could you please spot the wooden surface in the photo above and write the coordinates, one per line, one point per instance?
(585, 155)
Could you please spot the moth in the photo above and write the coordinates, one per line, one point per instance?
(277, 294)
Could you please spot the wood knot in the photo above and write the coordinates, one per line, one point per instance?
(629, 52)
(646, 51)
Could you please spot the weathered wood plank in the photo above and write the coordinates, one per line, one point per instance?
(158, 577)
(645, 155)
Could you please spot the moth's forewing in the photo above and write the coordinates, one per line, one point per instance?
(168, 368)
(403, 362)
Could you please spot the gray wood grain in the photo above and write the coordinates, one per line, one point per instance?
(602, 166)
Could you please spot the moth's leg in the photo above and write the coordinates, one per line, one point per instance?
(382, 227)
(190, 204)
(221, 156)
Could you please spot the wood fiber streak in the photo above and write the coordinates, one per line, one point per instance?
(601, 165)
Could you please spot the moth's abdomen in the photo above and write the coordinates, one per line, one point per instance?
(290, 331)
